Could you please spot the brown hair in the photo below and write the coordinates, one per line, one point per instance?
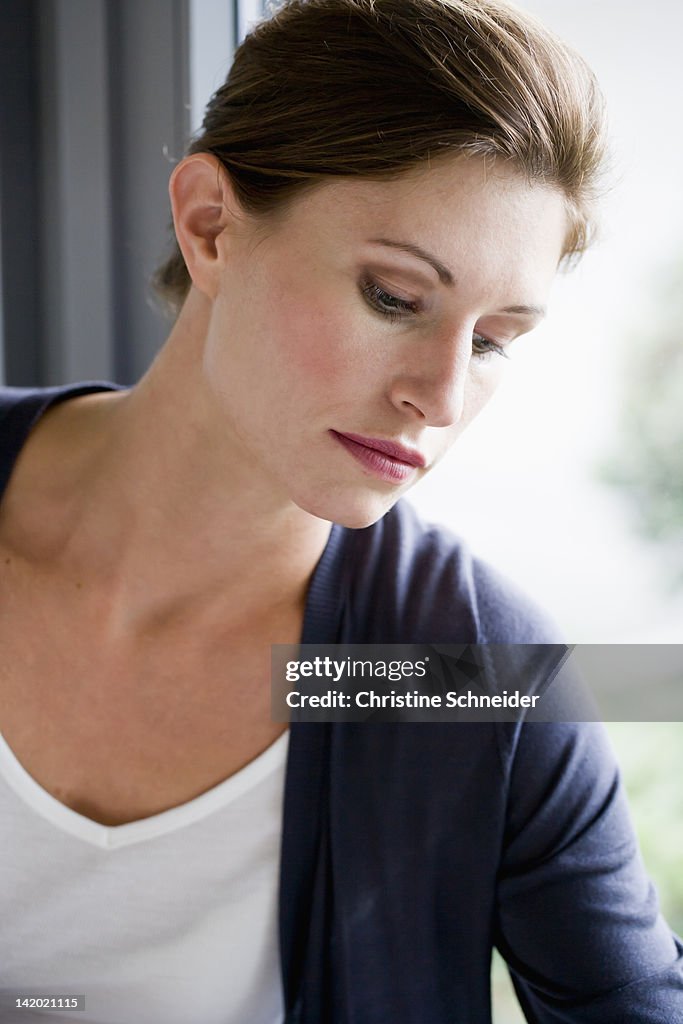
(372, 88)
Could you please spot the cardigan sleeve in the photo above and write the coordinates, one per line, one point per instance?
(577, 918)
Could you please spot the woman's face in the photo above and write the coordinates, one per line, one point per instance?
(376, 315)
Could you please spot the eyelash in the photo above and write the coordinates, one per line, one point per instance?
(376, 296)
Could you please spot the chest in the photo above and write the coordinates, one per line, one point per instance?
(121, 734)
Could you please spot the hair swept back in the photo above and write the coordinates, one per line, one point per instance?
(372, 88)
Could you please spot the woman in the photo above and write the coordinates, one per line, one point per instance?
(375, 210)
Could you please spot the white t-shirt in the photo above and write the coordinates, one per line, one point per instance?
(169, 919)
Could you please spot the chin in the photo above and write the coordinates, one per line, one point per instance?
(354, 511)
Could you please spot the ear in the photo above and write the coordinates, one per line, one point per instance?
(204, 205)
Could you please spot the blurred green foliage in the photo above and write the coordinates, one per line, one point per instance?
(651, 759)
(647, 464)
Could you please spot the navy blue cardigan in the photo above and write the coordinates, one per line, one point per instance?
(410, 850)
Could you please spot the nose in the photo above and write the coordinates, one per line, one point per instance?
(433, 386)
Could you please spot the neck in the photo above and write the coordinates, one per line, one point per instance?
(166, 516)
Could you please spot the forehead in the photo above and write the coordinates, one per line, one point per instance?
(457, 207)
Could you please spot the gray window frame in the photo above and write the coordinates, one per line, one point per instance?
(100, 99)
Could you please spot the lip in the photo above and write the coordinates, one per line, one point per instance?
(396, 451)
(388, 460)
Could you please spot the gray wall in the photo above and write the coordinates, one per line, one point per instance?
(19, 190)
(97, 100)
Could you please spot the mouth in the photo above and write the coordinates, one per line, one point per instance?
(387, 460)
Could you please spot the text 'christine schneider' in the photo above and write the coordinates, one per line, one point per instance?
(326, 682)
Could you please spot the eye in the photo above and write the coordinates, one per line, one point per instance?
(483, 349)
(396, 309)
(391, 306)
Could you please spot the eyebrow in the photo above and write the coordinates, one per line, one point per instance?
(539, 311)
(445, 275)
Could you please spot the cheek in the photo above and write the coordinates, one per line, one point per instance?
(308, 345)
(487, 377)
(320, 345)
(484, 381)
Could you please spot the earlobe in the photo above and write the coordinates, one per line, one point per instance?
(197, 190)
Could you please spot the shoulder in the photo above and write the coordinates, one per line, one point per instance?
(22, 407)
(414, 581)
(14, 400)
(34, 449)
